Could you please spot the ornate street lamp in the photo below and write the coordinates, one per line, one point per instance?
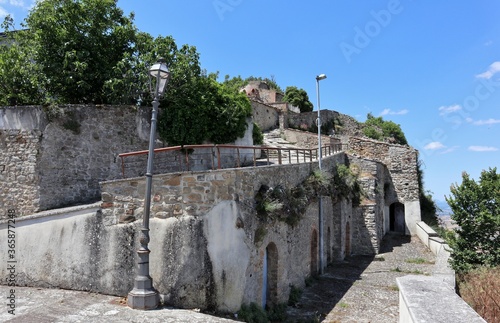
(320, 211)
(144, 296)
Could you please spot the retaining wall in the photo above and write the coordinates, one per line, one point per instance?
(433, 299)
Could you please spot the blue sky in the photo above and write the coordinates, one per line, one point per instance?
(431, 66)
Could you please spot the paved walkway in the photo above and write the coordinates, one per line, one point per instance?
(360, 289)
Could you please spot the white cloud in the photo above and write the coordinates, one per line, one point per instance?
(16, 3)
(390, 112)
(492, 70)
(482, 148)
(434, 146)
(3, 13)
(443, 110)
(449, 150)
(487, 122)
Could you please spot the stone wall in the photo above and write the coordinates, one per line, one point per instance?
(307, 120)
(62, 157)
(18, 179)
(56, 160)
(266, 116)
(305, 139)
(402, 166)
(208, 245)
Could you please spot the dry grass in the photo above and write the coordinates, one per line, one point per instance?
(481, 290)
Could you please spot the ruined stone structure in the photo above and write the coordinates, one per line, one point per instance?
(210, 247)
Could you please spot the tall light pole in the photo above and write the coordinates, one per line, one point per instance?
(144, 296)
(320, 209)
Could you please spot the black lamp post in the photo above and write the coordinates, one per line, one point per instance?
(144, 296)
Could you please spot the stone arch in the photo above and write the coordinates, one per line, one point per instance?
(397, 218)
(347, 239)
(314, 253)
(270, 276)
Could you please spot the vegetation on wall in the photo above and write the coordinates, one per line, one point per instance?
(87, 51)
(289, 205)
(476, 211)
(380, 129)
(346, 183)
(237, 82)
(257, 136)
(428, 207)
(299, 98)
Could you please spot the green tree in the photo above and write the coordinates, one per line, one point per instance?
(77, 43)
(476, 207)
(299, 98)
(377, 128)
(21, 81)
(86, 51)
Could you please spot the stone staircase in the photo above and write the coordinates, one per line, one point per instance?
(273, 139)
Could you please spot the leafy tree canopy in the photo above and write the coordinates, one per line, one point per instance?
(379, 129)
(299, 98)
(476, 210)
(87, 51)
(238, 82)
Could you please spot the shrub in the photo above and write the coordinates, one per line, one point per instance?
(480, 288)
(252, 313)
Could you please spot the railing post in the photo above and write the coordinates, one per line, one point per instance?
(289, 156)
(279, 156)
(267, 154)
(238, 158)
(254, 158)
(218, 158)
(212, 153)
(123, 167)
(187, 160)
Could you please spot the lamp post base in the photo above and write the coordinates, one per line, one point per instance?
(143, 299)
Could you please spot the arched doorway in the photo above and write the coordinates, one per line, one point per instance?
(270, 276)
(397, 218)
(314, 253)
(347, 239)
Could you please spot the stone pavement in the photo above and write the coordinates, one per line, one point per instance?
(363, 288)
(360, 289)
(37, 305)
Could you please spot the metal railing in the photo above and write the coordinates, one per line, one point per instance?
(280, 155)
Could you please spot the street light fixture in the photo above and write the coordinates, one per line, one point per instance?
(320, 211)
(144, 296)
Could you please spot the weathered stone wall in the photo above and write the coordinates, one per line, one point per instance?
(308, 119)
(58, 160)
(305, 139)
(266, 116)
(18, 179)
(368, 228)
(402, 166)
(210, 197)
(62, 160)
(207, 243)
(401, 161)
